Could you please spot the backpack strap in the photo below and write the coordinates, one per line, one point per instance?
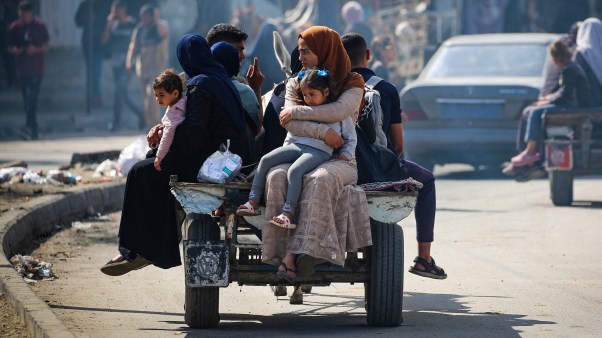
(373, 81)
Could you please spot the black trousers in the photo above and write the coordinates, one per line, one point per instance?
(30, 89)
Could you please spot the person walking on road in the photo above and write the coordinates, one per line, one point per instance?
(117, 36)
(28, 40)
(148, 54)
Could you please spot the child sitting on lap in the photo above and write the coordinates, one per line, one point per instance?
(305, 153)
(168, 89)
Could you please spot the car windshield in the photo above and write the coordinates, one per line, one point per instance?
(506, 60)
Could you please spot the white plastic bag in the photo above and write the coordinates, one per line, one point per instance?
(221, 167)
(132, 154)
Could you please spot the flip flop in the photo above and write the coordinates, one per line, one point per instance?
(288, 274)
(428, 268)
(247, 210)
(283, 221)
(122, 267)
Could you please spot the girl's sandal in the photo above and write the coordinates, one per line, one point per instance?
(247, 210)
(283, 221)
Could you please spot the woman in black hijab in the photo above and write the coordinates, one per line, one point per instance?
(148, 233)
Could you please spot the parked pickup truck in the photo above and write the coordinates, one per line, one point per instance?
(573, 147)
(220, 250)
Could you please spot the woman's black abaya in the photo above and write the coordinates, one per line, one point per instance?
(213, 115)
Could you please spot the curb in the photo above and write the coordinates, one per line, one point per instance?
(19, 227)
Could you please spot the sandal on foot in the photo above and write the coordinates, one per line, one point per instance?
(119, 268)
(431, 270)
(305, 265)
(524, 159)
(283, 221)
(288, 274)
(247, 210)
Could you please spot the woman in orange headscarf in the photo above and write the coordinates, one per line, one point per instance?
(328, 201)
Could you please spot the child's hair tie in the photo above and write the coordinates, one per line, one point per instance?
(302, 73)
(323, 72)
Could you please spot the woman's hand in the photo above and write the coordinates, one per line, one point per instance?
(286, 115)
(333, 139)
(154, 134)
(342, 157)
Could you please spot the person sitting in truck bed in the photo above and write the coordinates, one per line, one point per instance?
(573, 91)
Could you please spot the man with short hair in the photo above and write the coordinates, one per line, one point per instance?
(359, 54)
(28, 40)
(237, 37)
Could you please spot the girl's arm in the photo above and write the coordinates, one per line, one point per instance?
(174, 118)
(350, 137)
(303, 116)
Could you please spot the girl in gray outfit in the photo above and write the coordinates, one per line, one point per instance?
(305, 153)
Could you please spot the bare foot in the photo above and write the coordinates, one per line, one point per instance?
(289, 260)
(118, 258)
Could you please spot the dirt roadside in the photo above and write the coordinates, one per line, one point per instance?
(12, 196)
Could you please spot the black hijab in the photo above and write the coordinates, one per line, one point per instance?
(204, 71)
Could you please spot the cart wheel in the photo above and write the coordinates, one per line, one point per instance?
(201, 305)
(384, 292)
(561, 187)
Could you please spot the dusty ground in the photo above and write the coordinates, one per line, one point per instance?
(10, 324)
(11, 197)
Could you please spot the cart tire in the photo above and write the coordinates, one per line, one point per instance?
(384, 292)
(561, 187)
(201, 305)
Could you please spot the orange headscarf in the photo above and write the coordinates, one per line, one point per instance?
(327, 45)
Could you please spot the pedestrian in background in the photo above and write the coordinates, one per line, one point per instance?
(116, 37)
(8, 14)
(352, 13)
(91, 15)
(148, 54)
(28, 40)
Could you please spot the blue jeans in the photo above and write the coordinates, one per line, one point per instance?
(533, 129)
(303, 158)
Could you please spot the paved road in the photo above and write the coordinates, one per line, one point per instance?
(51, 153)
(517, 266)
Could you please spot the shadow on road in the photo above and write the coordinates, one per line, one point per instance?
(425, 315)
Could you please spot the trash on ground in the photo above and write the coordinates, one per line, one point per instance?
(132, 154)
(32, 269)
(80, 225)
(99, 217)
(107, 168)
(31, 177)
(62, 176)
(6, 174)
